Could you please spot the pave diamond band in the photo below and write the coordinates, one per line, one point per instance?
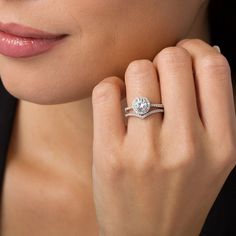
(142, 108)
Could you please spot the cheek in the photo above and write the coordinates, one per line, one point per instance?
(66, 73)
(104, 40)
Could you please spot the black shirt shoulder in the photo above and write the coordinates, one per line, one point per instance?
(8, 105)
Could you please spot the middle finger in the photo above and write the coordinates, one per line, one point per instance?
(177, 84)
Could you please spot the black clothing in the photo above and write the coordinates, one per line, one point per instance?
(221, 220)
(7, 111)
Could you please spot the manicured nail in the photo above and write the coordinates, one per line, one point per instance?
(217, 48)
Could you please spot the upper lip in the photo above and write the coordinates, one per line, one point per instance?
(26, 31)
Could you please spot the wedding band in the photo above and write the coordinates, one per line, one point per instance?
(141, 108)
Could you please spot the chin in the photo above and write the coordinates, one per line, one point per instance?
(46, 80)
(46, 91)
(51, 82)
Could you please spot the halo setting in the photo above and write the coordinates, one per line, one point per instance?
(141, 105)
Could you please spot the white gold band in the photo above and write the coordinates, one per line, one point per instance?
(146, 115)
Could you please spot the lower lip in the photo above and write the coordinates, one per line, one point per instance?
(19, 47)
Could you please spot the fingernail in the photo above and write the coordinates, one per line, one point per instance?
(217, 48)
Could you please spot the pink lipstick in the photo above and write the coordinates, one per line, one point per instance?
(20, 41)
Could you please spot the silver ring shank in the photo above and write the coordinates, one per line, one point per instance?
(147, 114)
(151, 105)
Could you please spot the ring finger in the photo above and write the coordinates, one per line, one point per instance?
(142, 80)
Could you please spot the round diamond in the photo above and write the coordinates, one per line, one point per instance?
(141, 105)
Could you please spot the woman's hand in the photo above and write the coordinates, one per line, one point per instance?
(160, 176)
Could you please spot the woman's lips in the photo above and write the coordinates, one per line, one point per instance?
(19, 41)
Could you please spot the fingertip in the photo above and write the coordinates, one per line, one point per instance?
(217, 48)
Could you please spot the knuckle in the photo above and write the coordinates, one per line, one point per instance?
(173, 55)
(146, 164)
(216, 62)
(113, 169)
(138, 67)
(224, 151)
(227, 156)
(186, 156)
(103, 90)
(180, 162)
(184, 152)
(190, 42)
(188, 150)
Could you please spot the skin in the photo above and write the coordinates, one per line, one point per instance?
(149, 184)
(51, 175)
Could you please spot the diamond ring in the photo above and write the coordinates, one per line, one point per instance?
(141, 107)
